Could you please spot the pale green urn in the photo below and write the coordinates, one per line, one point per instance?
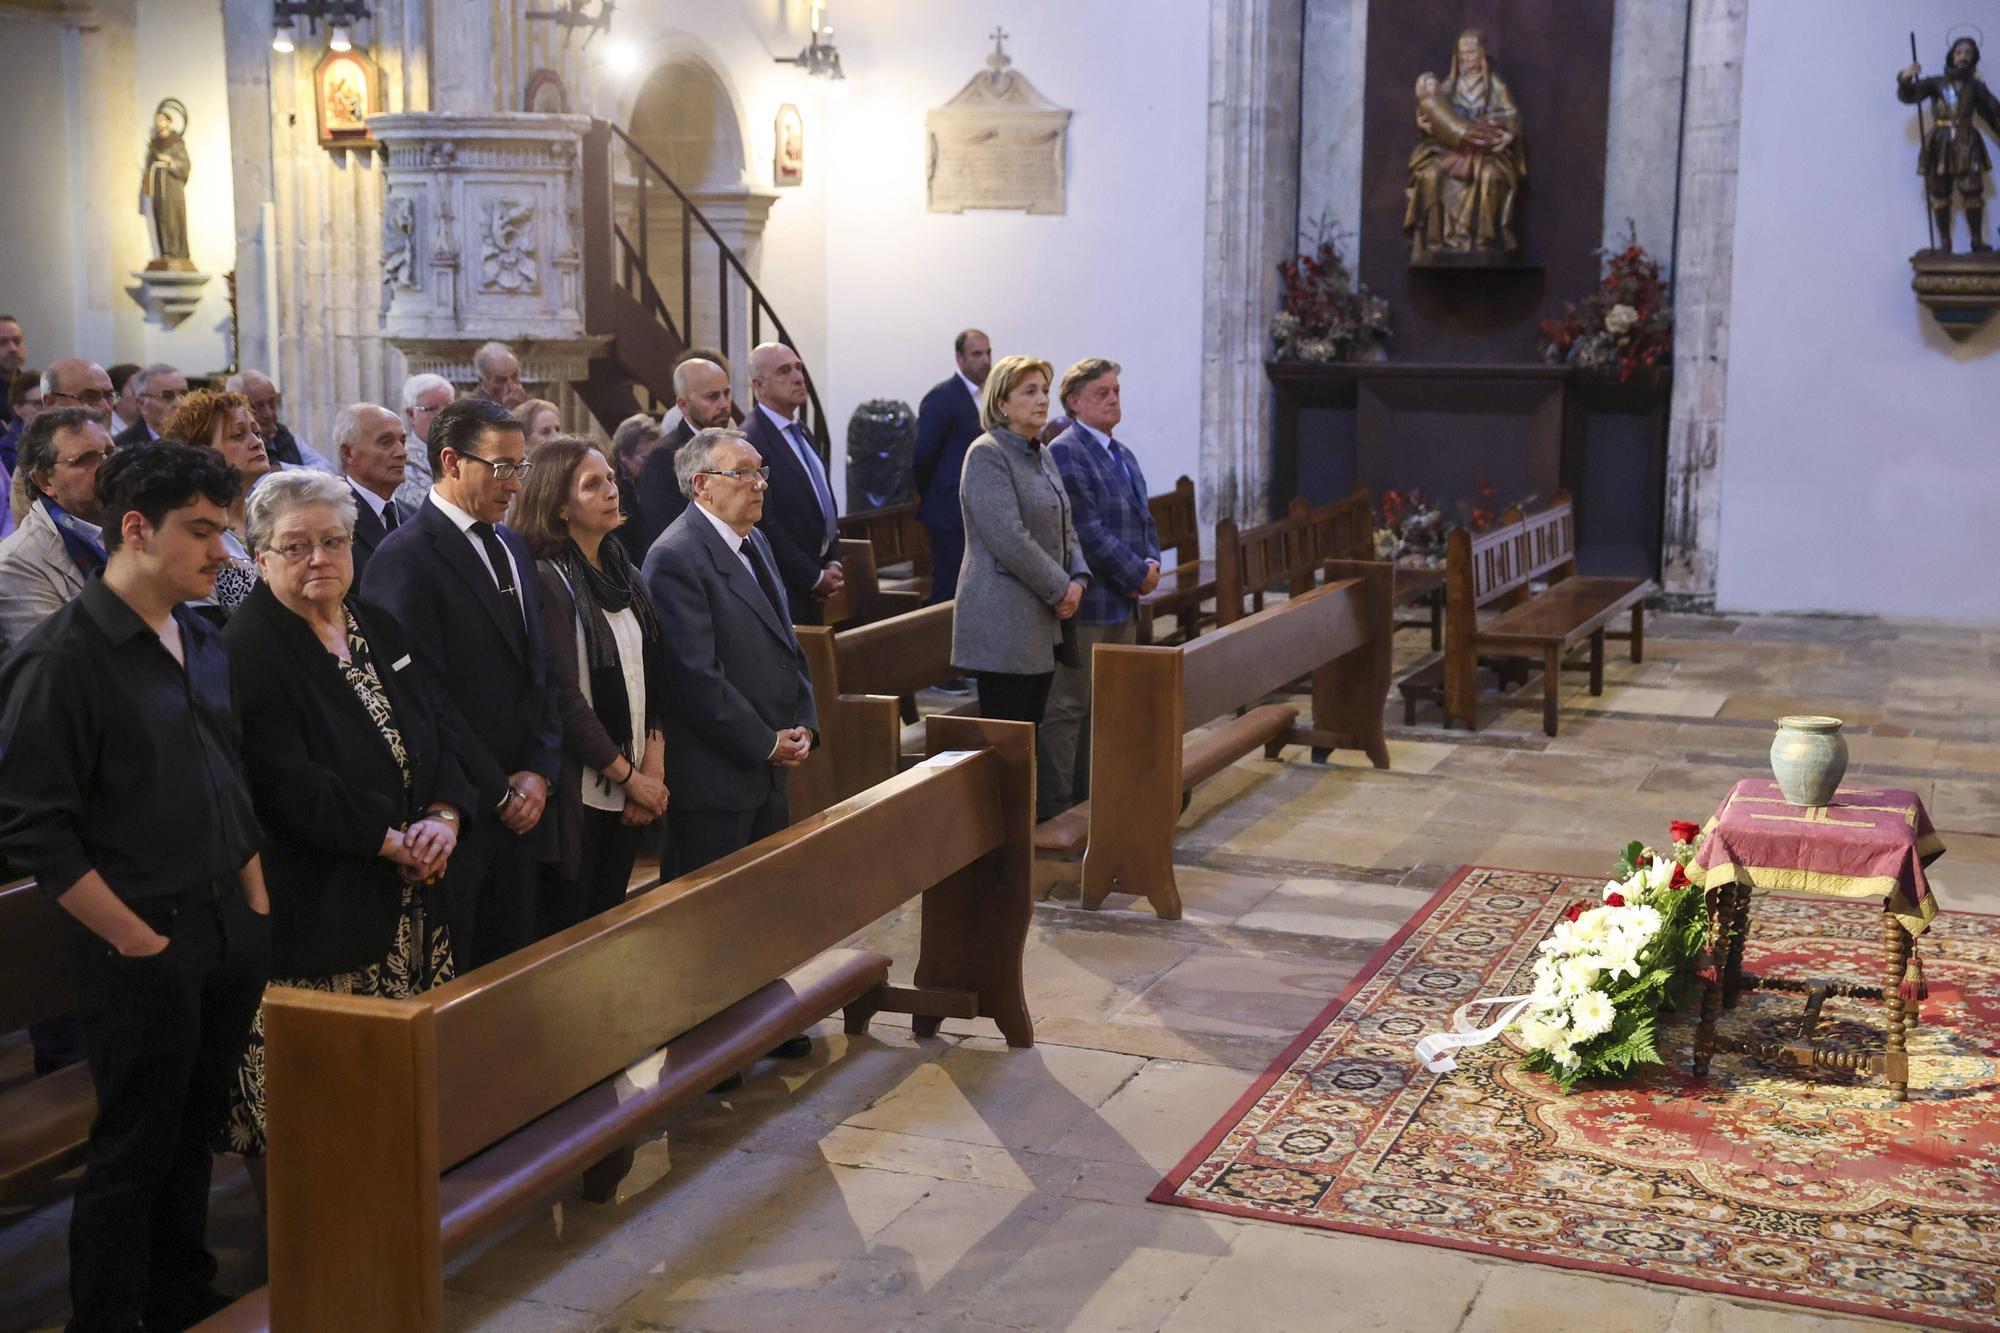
(1809, 758)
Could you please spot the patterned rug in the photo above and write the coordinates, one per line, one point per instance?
(1810, 1189)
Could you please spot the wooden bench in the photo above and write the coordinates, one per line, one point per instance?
(902, 551)
(864, 597)
(404, 1131)
(1147, 698)
(1186, 580)
(1345, 530)
(45, 1121)
(1495, 569)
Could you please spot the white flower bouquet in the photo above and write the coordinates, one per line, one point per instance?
(1607, 972)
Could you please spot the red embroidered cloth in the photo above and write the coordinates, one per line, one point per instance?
(1872, 842)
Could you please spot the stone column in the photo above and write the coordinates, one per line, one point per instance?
(1253, 193)
(1709, 133)
(1330, 102)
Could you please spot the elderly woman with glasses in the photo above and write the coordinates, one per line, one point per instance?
(352, 754)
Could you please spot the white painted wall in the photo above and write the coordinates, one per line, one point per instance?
(873, 287)
(1859, 474)
(38, 263)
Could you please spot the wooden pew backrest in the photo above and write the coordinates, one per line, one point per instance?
(894, 533)
(1178, 521)
(1249, 562)
(1342, 530)
(34, 957)
(899, 655)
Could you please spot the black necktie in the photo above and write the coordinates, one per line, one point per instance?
(771, 595)
(389, 519)
(496, 555)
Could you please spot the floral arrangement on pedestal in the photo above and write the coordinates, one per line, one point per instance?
(1411, 529)
(1326, 315)
(1625, 327)
(1607, 972)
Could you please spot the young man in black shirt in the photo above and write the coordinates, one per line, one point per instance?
(122, 790)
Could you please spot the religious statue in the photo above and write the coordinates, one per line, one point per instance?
(1952, 157)
(1466, 174)
(163, 188)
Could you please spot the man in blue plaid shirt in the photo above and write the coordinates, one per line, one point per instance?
(1108, 494)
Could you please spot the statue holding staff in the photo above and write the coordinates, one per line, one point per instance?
(1952, 158)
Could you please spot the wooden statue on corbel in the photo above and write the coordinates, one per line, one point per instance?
(1961, 290)
(169, 287)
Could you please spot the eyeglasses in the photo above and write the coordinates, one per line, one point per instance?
(503, 470)
(762, 474)
(164, 395)
(293, 553)
(88, 461)
(89, 397)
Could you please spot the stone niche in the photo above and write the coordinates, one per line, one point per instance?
(482, 238)
(997, 144)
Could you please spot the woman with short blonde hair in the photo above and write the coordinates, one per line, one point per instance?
(1023, 572)
(541, 421)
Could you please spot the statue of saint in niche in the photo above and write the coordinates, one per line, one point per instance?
(1953, 158)
(1466, 174)
(163, 189)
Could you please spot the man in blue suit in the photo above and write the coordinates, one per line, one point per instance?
(801, 520)
(1107, 492)
(947, 422)
(463, 587)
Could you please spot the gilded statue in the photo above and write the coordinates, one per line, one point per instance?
(1465, 175)
(1952, 158)
(163, 189)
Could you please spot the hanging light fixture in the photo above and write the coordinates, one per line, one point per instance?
(339, 39)
(281, 37)
(340, 15)
(820, 59)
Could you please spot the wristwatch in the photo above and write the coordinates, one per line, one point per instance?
(448, 816)
(506, 800)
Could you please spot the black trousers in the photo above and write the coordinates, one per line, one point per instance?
(164, 1035)
(698, 837)
(602, 874)
(490, 895)
(947, 552)
(1010, 697)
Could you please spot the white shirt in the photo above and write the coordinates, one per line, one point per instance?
(1103, 440)
(970, 387)
(815, 473)
(375, 503)
(599, 793)
(464, 521)
(729, 537)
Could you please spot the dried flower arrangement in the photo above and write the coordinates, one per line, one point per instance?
(1625, 327)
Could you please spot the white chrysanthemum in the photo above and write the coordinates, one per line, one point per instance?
(1592, 1015)
(1592, 925)
(1619, 957)
(1579, 974)
(1539, 1034)
(1561, 940)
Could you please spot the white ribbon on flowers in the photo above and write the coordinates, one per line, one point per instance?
(1431, 1050)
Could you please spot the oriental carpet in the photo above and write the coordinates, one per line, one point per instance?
(1813, 1189)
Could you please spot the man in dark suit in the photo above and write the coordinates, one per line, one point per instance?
(739, 700)
(948, 421)
(463, 587)
(13, 359)
(374, 454)
(160, 387)
(800, 519)
(701, 391)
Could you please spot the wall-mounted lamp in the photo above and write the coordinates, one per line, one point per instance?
(820, 59)
(576, 14)
(340, 15)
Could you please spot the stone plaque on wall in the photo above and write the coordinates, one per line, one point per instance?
(998, 144)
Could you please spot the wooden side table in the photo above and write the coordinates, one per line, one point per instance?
(1870, 843)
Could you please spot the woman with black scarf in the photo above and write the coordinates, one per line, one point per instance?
(608, 666)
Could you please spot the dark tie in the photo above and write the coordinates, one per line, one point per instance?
(496, 555)
(1118, 454)
(771, 594)
(389, 518)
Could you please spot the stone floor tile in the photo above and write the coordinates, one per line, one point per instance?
(1535, 1298)
(1279, 1279)
(1253, 1053)
(1157, 1117)
(1215, 897)
(501, 1314)
(984, 1093)
(1658, 702)
(1903, 752)
(1229, 992)
(1699, 1312)
(1339, 908)
(1959, 805)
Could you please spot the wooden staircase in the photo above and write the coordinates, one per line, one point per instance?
(622, 296)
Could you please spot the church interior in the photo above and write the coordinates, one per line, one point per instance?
(1560, 630)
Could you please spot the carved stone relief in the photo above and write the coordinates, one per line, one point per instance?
(507, 246)
(997, 144)
(399, 247)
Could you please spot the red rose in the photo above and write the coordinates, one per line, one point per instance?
(1680, 879)
(1614, 900)
(1575, 911)
(1684, 831)
(1645, 859)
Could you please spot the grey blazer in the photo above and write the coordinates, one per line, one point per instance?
(735, 675)
(37, 577)
(1020, 554)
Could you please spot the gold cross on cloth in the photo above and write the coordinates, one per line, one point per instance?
(1817, 814)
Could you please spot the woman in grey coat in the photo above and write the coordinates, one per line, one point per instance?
(1023, 573)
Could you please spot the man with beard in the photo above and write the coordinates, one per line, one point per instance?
(1953, 155)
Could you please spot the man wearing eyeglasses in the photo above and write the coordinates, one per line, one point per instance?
(265, 404)
(424, 396)
(59, 545)
(160, 389)
(463, 587)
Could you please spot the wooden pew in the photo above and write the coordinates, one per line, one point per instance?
(404, 1131)
(865, 597)
(44, 1122)
(1345, 530)
(1250, 562)
(1186, 580)
(1146, 698)
(1495, 569)
(859, 677)
(902, 550)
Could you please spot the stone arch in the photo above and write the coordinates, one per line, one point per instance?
(685, 119)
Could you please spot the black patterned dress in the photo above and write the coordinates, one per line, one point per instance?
(419, 958)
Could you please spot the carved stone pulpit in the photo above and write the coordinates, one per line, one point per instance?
(482, 238)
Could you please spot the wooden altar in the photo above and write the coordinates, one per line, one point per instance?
(1529, 429)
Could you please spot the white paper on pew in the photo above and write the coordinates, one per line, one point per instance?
(946, 758)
